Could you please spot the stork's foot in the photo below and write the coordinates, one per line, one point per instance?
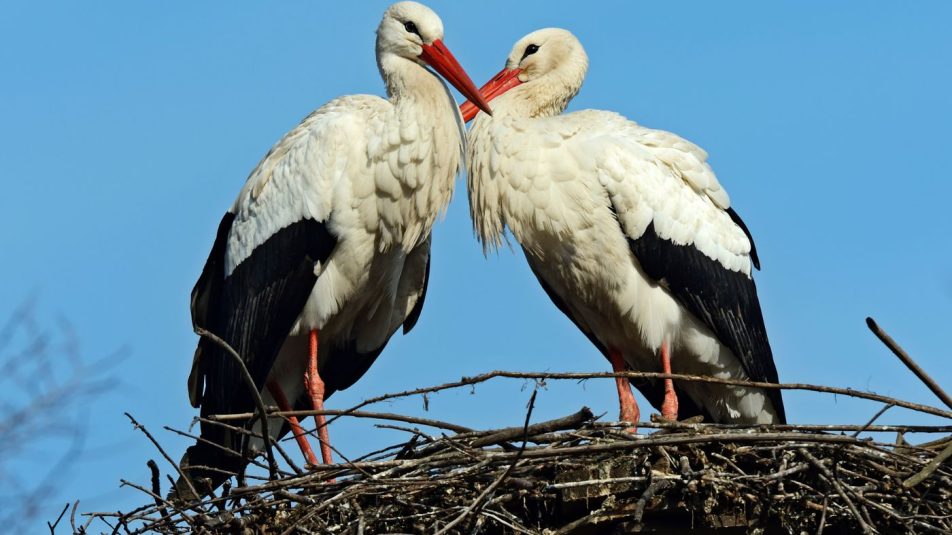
(315, 389)
(628, 407)
(669, 408)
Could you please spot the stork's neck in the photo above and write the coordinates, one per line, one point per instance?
(412, 88)
(543, 97)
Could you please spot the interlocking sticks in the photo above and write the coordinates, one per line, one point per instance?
(436, 479)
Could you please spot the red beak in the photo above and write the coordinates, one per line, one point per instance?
(441, 59)
(502, 82)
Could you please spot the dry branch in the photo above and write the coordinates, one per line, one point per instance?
(909, 362)
(537, 376)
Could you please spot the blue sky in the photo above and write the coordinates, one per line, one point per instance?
(128, 128)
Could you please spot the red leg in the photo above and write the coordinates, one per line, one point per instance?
(315, 388)
(669, 409)
(626, 400)
(296, 430)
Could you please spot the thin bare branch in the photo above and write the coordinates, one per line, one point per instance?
(909, 362)
(356, 414)
(165, 455)
(477, 379)
(53, 525)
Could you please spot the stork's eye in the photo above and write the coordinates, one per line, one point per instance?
(411, 27)
(530, 50)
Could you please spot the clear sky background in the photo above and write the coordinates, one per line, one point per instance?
(127, 128)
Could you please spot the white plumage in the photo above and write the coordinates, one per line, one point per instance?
(331, 235)
(342, 165)
(604, 210)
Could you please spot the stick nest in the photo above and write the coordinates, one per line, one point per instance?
(579, 475)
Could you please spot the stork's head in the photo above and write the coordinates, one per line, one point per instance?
(543, 73)
(412, 31)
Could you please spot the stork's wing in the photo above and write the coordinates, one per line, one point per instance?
(253, 309)
(269, 246)
(683, 233)
(726, 301)
(205, 304)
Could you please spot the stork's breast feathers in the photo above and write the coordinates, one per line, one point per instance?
(415, 159)
(529, 179)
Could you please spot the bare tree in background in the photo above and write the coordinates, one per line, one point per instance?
(45, 389)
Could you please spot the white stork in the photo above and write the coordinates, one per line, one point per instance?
(325, 252)
(627, 230)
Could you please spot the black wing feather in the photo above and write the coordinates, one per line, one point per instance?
(207, 289)
(740, 223)
(724, 300)
(253, 309)
(652, 390)
(206, 297)
(259, 302)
